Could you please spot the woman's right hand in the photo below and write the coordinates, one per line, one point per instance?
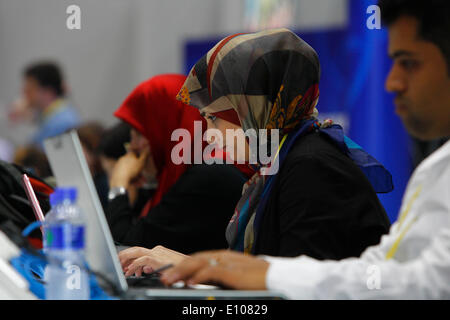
(138, 260)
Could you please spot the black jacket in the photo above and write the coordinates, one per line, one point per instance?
(321, 205)
(192, 216)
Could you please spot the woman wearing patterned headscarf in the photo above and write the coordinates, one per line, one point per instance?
(319, 203)
(322, 202)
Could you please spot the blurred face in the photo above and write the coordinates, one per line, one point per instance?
(231, 147)
(139, 143)
(33, 93)
(420, 81)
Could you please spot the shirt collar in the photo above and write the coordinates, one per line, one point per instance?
(52, 108)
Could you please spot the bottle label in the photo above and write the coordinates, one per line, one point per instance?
(65, 236)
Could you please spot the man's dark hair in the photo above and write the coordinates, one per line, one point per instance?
(113, 140)
(33, 158)
(48, 75)
(433, 17)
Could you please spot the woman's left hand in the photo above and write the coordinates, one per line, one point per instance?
(138, 260)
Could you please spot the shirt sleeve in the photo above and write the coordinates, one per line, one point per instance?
(368, 277)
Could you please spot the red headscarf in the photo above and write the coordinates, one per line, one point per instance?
(152, 109)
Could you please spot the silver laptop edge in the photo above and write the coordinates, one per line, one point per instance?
(67, 160)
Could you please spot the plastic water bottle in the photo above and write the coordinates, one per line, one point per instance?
(64, 246)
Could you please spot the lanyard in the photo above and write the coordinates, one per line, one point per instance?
(278, 151)
(279, 148)
(390, 254)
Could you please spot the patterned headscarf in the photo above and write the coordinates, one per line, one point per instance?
(269, 79)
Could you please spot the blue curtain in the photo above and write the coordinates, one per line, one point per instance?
(354, 65)
(374, 123)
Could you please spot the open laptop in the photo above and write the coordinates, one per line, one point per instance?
(70, 168)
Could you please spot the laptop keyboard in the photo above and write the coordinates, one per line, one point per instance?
(145, 281)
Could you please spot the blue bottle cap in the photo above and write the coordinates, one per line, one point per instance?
(70, 193)
(63, 194)
(56, 197)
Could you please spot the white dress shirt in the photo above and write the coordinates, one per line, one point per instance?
(411, 262)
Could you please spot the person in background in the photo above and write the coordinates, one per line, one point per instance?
(44, 98)
(90, 135)
(114, 144)
(193, 202)
(413, 260)
(34, 160)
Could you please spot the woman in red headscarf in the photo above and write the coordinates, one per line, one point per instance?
(193, 203)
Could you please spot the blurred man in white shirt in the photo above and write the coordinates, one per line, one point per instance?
(413, 260)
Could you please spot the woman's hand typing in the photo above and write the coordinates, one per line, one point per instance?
(138, 260)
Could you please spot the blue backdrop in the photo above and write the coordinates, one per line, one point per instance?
(354, 65)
